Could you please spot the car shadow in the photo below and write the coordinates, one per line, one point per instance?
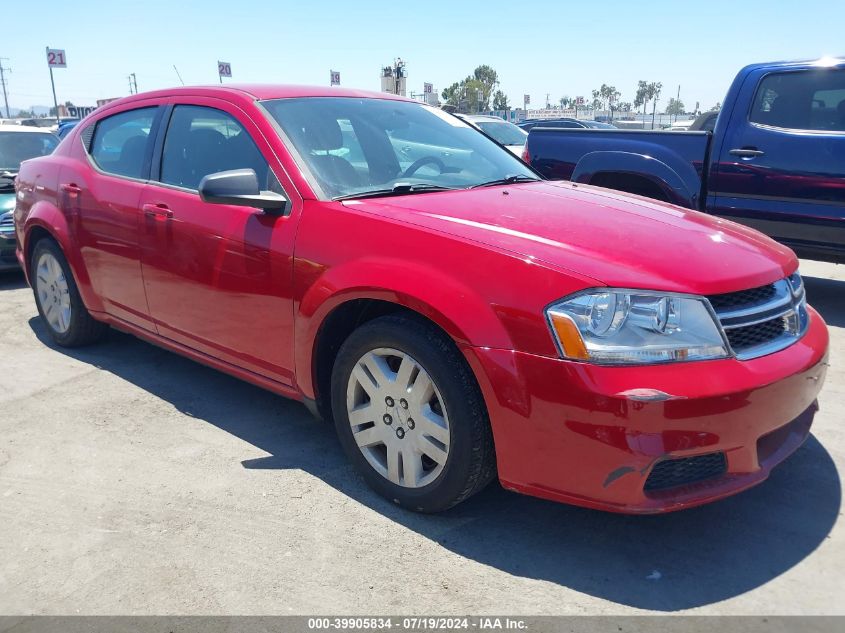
(828, 297)
(12, 280)
(666, 562)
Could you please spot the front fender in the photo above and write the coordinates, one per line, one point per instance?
(454, 306)
(680, 182)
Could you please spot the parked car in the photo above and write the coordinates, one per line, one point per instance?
(705, 121)
(17, 143)
(566, 123)
(681, 125)
(456, 316)
(774, 161)
(501, 131)
(65, 127)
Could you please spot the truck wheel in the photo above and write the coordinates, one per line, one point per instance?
(57, 298)
(410, 415)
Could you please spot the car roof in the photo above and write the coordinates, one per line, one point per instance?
(25, 129)
(824, 62)
(254, 92)
(481, 117)
(549, 120)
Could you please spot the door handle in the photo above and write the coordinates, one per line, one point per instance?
(746, 152)
(157, 211)
(72, 189)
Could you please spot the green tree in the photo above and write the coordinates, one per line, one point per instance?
(641, 97)
(675, 107)
(609, 95)
(654, 96)
(500, 101)
(486, 75)
(464, 95)
(716, 107)
(452, 94)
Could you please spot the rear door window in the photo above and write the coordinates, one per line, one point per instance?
(802, 100)
(121, 142)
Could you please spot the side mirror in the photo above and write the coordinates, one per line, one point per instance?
(240, 187)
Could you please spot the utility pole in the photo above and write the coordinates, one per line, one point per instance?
(53, 86)
(677, 102)
(3, 81)
(133, 84)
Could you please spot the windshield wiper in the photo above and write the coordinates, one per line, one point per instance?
(399, 189)
(507, 180)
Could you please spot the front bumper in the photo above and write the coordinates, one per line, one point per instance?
(576, 433)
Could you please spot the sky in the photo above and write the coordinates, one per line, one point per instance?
(536, 46)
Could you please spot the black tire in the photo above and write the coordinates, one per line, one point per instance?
(83, 328)
(471, 461)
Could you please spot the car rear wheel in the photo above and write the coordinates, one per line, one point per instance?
(57, 298)
(410, 415)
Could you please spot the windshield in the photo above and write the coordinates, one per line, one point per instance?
(16, 147)
(504, 132)
(353, 146)
(599, 125)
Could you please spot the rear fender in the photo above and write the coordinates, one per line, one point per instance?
(680, 183)
(44, 216)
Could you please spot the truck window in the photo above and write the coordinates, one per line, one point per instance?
(803, 100)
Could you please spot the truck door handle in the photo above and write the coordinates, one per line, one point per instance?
(746, 152)
(157, 211)
(71, 189)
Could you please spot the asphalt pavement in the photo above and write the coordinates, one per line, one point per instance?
(134, 481)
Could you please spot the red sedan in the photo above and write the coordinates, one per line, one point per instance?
(405, 276)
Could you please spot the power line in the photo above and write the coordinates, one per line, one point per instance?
(3, 81)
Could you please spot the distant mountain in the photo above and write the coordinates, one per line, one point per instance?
(38, 109)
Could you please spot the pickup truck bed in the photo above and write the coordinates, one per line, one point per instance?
(629, 160)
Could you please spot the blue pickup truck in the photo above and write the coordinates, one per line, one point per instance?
(775, 160)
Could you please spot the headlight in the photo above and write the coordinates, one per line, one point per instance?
(635, 327)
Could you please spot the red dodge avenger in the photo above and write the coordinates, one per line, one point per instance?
(457, 317)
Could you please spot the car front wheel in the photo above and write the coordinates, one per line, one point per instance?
(410, 415)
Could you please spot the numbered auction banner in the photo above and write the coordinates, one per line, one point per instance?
(56, 58)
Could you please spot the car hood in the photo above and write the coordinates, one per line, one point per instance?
(616, 239)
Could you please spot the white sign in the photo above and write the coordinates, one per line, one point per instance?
(526, 99)
(579, 101)
(224, 69)
(428, 88)
(56, 58)
(335, 78)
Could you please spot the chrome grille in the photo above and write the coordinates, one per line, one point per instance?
(7, 225)
(762, 320)
(743, 298)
